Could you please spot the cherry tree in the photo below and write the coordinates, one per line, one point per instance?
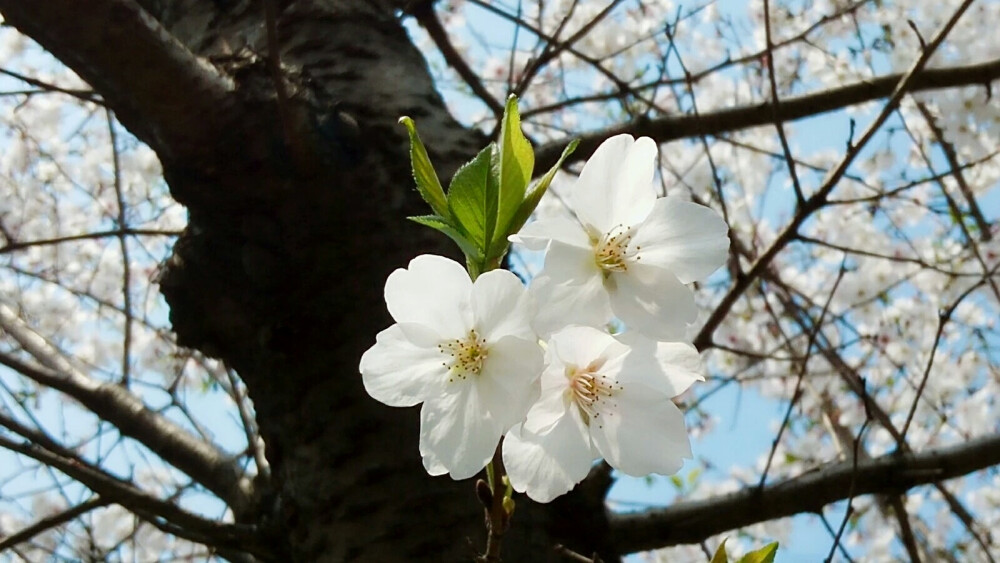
(201, 202)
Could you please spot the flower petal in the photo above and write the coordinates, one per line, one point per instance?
(501, 306)
(688, 239)
(668, 367)
(548, 465)
(537, 234)
(579, 346)
(616, 185)
(551, 405)
(508, 383)
(404, 367)
(569, 290)
(433, 291)
(652, 301)
(457, 433)
(645, 434)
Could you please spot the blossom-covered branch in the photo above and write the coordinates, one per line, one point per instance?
(672, 128)
(201, 460)
(162, 514)
(694, 521)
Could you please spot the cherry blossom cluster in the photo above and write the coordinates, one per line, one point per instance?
(489, 357)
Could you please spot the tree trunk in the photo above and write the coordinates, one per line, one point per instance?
(297, 197)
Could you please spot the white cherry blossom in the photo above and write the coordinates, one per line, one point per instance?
(602, 396)
(628, 254)
(465, 350)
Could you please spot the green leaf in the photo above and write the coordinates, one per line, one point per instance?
(472, 199)
(763, 555)
(492, 196)
(441, 224)
(537, 191)
(720, 554)
(423, 172)
(517, 162)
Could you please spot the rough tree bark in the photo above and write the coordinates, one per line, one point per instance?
(296, 181)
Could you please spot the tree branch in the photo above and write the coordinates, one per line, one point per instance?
(113, 403)
(692, 522)
(427, 18)
(14, 245)
(798, 107)
(161, 91)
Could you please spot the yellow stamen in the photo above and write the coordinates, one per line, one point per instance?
(613, 250)
(465, 356)
(591, 390)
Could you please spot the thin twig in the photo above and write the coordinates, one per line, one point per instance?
(951, 156)
(428, 19)
(797, 394)
(249, 428)
(776, 104)
(943, 319)
(13, 246)
(850, 495)
(54, 521)
(123, 245)
(83, 95)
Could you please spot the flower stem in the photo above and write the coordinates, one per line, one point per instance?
(497, 518)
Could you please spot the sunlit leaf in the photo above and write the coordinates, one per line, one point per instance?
(538, 190)
(720, 553)
(423, 172)
(469, 199)
(763, 555)
(517, 162)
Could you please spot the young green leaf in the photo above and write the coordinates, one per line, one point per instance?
(536, 192)
(441, 224)
(720, 554)
(423, 172)
(763, 555)
(517, 162)
(470, 201)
